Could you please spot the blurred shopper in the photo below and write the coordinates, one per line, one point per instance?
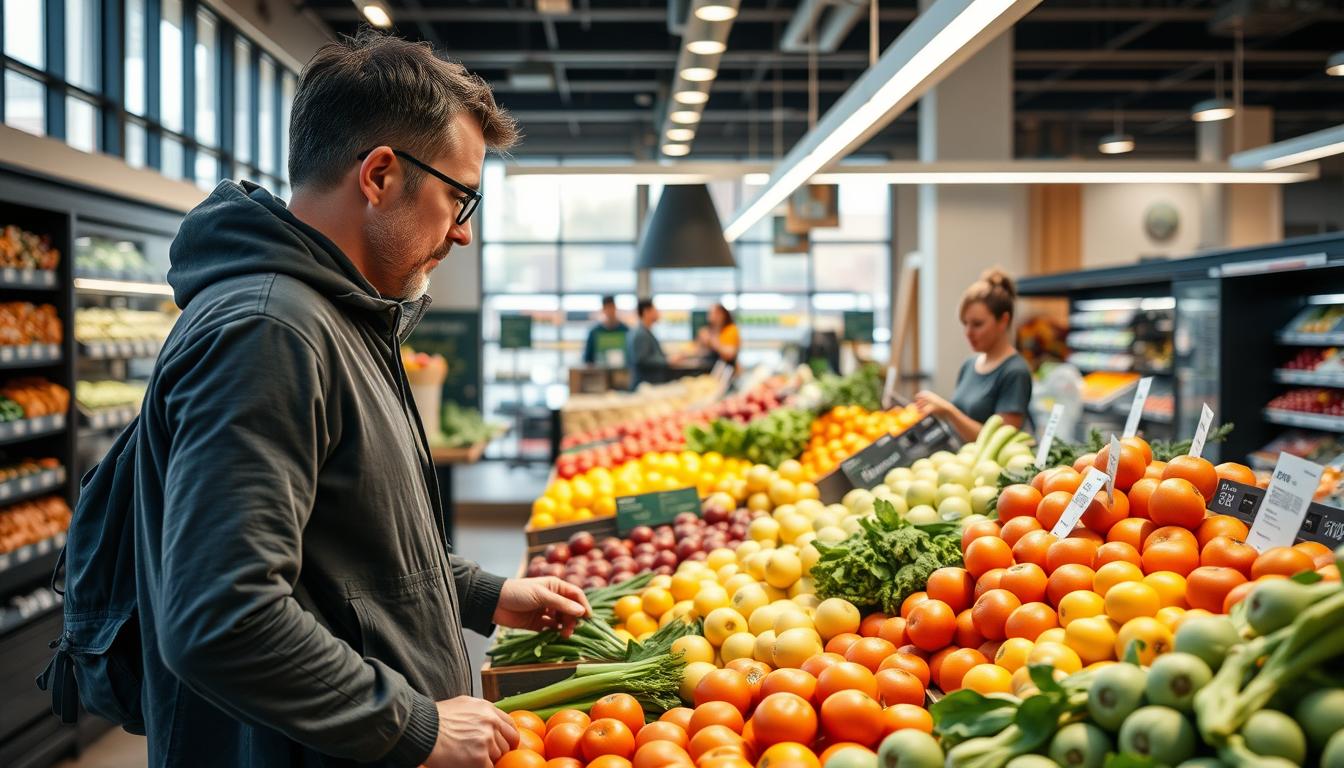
(996, 379)
(609, 333)
(645, 354)
(720, 338)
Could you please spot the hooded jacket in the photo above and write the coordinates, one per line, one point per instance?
(298, 603)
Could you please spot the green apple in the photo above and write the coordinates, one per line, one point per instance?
(987, 472)
(922, 464)
(922, 515)
(981, 497)
(1019, 463)
(921, 492)
(954, 508)
(952, 491)
(942, 457)
(957, 473)
(858, 498)
(899, 473)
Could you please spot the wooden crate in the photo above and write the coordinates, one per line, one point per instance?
(497, 683)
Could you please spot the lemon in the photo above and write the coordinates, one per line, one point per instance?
(794, 646)
(739, 646)
(693, 648)
(710, 596)
(836, 616)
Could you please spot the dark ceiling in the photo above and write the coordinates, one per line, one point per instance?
(1076, 63)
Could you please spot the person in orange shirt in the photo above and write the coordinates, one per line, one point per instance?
(720, 337)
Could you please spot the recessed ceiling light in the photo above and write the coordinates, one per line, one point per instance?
(1212, 110)
(690, 97)
(685, 117)
(377, 15)
(715, 12)
(756, 179)
(1115, 144)
(698, 74)
(1335, 65)
(706, 47)
(676, 150)
(680, 134)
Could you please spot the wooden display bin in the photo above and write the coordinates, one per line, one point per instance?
(497, 683)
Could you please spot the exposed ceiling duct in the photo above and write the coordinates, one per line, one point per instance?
(828, 22)
(1264, 18)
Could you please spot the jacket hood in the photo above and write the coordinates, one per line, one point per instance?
(243, 229)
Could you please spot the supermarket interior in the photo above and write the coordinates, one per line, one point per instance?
(890, 382)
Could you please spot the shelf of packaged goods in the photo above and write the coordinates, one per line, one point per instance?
(26, 487)
(27, 429)
(119, 350)
(107, 418)
(23, 566)
(21, 609)
(1332, 338)
(28, 279)
(29, 355)
(1310, 378)
(1305, 420)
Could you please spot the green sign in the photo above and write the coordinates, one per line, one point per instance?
(610, 344)
(653, 509)
(699, 319)
(515, 331)
(859, 326)
(456, 336)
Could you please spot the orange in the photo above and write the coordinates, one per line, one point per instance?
(724, 685)
(567, 716)
(1171, 617)
(845, 676)
(1080, 605)
(799, 682)
(841, 642)
(1117, 551)
(1052, 507)
(528, 739)
(716, 713)
(1170, 586)
(1129, 469)
(1067, 578)
(852, 716)
(956, 665)
(621, 706)
(1140, 493)
(1320, 554)
(1026, 580)
(909, 603)
(1177, 501)
(1198, 471)
(1237, 473)
(986, 553)
(1105, 511)
(610, 761)
(563, 762)
(1064, 479)
(967, 635)
(1115, 573)
(976, 530)
(1130, 600)
(1284, 561)
(870, 651)
(1156, 637)
(1132, 531)
(1220, 525)
(988, 581)
(893, 631)
(909, 663)
(868, 627)
(658, 754)
(1092, 638)
(788, 755)
(1329, 572)
(1170, 553)
(1029, 620)
(991, 611)
(1155, 470)
(562, 740)
(954, 586)
(1016, 527)
(901, 716)
(1170, 534)
(528, 721)
(1032, 547)
(896, 686)
(1084, 461)
(607, 736)
(712, 737)
(521, 758)
(821, 661)
(990, 648)
(1013, 653)
(661, 731)
(782, 717)
(1229, 553)
(1237, 594)
(932, 624)
(1018, 501)
(1208, 585)
(1141, 445)
(1079, 532)
(1070, 550)
(988, 678)
(936, 661)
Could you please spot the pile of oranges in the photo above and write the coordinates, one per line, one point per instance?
(847, 429)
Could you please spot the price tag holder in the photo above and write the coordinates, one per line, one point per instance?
(1201, 431)
(1284, 508)
(867, 468)
(1092, 483)
(1048, 436)
(654, 509)
(1112, 464)
(1136, 408)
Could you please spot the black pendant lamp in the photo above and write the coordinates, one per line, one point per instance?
(684, 232)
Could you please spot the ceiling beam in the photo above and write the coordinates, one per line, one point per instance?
(800, 115)
(1126, 86)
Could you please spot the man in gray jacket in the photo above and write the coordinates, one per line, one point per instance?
(298, 602)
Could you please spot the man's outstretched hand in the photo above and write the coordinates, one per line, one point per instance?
(541, 603)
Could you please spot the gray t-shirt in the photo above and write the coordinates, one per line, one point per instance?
(1006, 389)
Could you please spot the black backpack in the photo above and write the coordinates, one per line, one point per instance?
(97, 661)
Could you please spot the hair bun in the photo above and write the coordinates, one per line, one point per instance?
(997, 278)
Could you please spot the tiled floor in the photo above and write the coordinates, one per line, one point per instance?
(496, 542)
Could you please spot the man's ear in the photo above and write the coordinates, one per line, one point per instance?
(379, 175)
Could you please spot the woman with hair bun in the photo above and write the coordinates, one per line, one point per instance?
(996, 379)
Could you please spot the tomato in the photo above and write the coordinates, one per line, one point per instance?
(870, 651)
(852, 716)
(620, 706)
(568, 716)
(607, 736)
(712, 736)
(679, 716)
(845, 676)
(897, 686)
(783, 717)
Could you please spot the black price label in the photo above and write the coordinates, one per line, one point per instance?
(858, 326)
(867, 468)
(653, 509)
(1323, 524)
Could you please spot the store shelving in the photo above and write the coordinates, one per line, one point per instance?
(119, 350)
(1304, 420)
(1309, 378)
(36, 484)
(29, 429)
(29, 355)
(38, 554)
(108, 418)
(28, 279)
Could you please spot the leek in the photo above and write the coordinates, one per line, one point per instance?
(654, 682)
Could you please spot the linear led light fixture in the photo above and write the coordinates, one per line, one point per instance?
(375, 12)
(944, 35)
(704, 38)
(1303, 149)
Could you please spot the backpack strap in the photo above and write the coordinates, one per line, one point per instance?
(59, 678)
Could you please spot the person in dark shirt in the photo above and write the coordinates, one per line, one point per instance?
(997, 380)
(644, 354)
(609, 327)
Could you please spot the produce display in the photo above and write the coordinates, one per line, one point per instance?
(846, 429)
(590, 413)
(1321, 400)
(21, 249)
(97, 255)
(29, 522)
(103, 395)
(1318, 319)
(777, 435)
(27, 467)
(94, 324)
(1316, 360)
(23, 323)
(1101, 386)
(34, 397)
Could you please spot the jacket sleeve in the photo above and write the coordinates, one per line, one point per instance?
(247, 425)
(477, 594)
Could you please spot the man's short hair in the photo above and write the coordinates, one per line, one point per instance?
(608, 301)
(644, 304)
(375, 89)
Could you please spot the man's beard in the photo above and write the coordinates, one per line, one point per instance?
(386, 250)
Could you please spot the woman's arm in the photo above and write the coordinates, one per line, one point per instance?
(966, 427)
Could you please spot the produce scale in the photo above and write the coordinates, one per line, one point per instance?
(794, 576)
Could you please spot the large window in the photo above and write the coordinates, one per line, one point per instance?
(82, 43)
(136, 55)
(170, 65)
(207, 79)
(25, 31)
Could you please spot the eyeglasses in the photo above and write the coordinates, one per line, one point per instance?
(472, 198)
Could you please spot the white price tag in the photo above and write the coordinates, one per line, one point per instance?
(1092, 483)
(1201, 431)
(1290, 491)
(1048, 436)
(889, 388)
(1136, 408)
(1112, 464)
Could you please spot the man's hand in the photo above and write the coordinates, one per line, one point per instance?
(472, 732)
(541, 603)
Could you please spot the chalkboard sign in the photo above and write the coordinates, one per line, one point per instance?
(867, 468)
(654, 509)
(699, 319)
(1323, 524)
(515, 331)
(457, 336)
(858, 326)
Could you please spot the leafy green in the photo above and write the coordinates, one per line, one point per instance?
(1064, 454)
(885, 561)
(463, 426)
(863, 388)
(966, 714)
(770, 439)
(1166, 450)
